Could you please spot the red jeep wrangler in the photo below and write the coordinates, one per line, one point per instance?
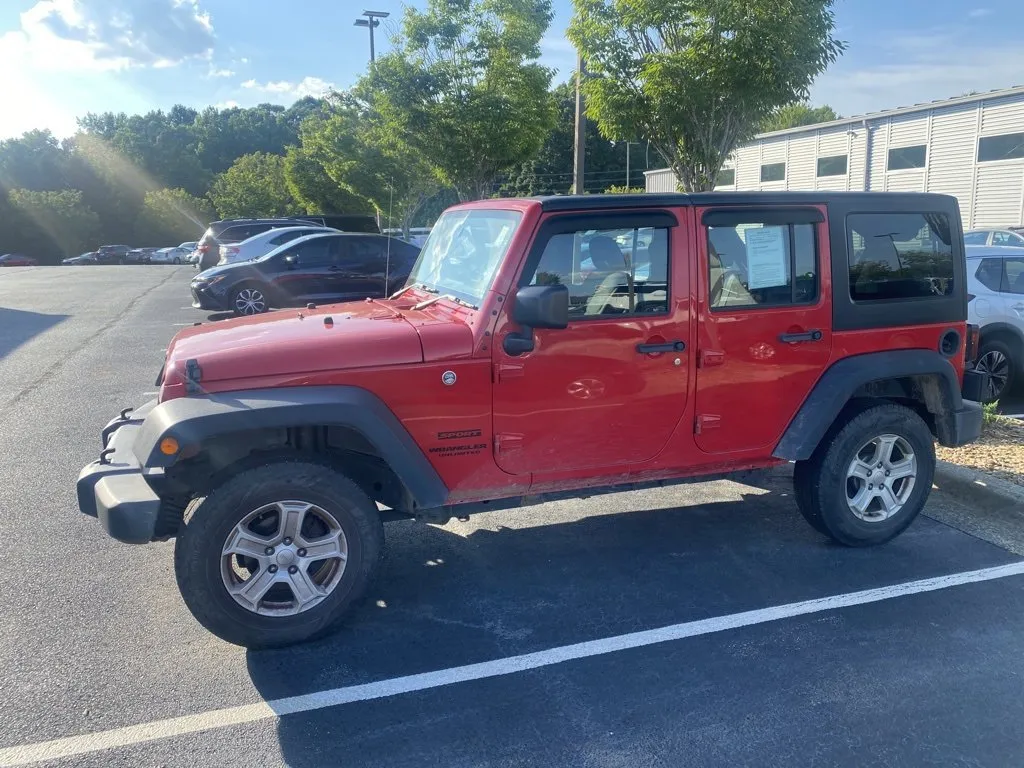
(545, 347)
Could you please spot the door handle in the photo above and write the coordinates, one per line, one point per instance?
(795, 338)
(668, 346)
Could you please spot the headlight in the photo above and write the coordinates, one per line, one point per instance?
(206, 282)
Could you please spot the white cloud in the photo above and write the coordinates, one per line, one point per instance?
(308, 86)
(109, 34)
(229, 104)
(214, 72)
(980, 13)
(925, 71)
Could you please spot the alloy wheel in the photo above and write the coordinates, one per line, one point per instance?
(284, 558)
(881, 478)
(250, 301)
(997, 366)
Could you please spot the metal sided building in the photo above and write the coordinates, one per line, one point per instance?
(971, 147)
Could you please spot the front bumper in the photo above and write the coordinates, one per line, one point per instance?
(116, 489)
(202, 298)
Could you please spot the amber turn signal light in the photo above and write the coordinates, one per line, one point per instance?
(169, 446)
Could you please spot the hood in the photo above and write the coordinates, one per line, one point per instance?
(294, 342)
(223, 269)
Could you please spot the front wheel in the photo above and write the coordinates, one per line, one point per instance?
(278, 554)
(249, 300)
(869, 479)
(177, 261)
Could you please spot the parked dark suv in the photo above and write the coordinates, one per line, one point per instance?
(320, 268)
(236, 230)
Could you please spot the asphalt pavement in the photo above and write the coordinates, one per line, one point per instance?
(700, 625)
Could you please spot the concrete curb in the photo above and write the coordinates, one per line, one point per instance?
(978, 488)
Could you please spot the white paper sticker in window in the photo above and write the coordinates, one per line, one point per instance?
(767, 258)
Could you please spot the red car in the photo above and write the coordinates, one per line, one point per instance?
(17, 260)
(544, 348)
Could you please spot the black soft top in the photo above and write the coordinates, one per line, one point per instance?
(677, 199)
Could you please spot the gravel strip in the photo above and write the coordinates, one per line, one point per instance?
(999, 452)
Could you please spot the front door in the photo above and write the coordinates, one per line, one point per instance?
(764, 322)
(608, 390)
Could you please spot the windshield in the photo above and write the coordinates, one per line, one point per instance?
(463, 251)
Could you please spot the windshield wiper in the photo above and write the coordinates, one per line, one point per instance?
(434, 299)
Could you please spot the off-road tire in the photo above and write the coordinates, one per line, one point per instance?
(206, 525)
(820, 481)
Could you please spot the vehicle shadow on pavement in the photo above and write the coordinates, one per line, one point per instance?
(462, 594)
(18, 326)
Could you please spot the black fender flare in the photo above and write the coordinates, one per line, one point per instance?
(841, 381)
(195, 419)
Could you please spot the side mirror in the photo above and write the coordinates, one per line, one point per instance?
(537, 306)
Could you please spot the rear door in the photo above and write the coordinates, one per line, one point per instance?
(764, 327)
(1012, 289)
(359, 269)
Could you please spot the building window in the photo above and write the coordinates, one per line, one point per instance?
(773, 172)
(902, 158)
(832, 166)
(762, 265)
(898, 256)
(1009, 146)
(726, 177)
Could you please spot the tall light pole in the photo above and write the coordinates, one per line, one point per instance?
(372, 21)
(627, 160)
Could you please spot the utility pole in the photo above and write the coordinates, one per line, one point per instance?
(371, 22)
(580, 148)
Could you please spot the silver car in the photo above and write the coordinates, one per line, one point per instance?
(1012, 236)
(995, 281)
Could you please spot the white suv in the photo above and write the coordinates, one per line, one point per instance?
(995, 280)
(265, 242)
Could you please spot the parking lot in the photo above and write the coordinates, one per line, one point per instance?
(700, 625)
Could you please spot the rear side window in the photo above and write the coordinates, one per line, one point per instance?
(287, 237)
(990, 273)
(762, 265)
(976, 238)
(899, 256)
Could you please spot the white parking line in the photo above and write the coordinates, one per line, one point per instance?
(248, 713)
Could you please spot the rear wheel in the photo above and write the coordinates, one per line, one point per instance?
(996, 359)
(249, 300)
(278, 554)
(868, 479)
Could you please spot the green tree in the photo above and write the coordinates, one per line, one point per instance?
(359, 153)
(50, 224)
(36, 161)
(796, 115)
(254, 186)
(696, 78)
(313, 188)
(172, 216)
(463, 88)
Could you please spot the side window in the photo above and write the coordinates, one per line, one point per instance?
(287, 237)
(904, 158)
(1013, 276)
(315, 253)
(608, 271)
(1003, 238)
(898, 256)
(990, 273)
(762, 265)
(976, 238)
(773, 172)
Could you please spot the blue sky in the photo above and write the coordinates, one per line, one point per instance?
(63, 58)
